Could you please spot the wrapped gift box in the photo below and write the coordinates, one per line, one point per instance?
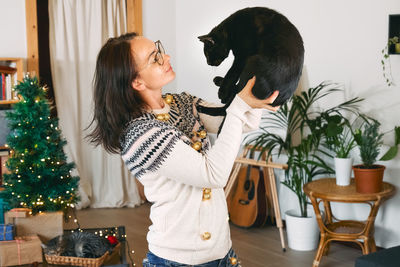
(46, 225)
(7, 232)
(18, 213)
(23, 250)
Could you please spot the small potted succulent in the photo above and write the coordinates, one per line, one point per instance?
(369, 175)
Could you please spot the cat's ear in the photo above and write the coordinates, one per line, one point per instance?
(206, 38)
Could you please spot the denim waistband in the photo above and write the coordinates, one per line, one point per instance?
(230, 260)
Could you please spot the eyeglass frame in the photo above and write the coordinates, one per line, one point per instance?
(158, 57)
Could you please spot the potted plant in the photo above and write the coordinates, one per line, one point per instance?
(339, 139)
(302, 141)
(393, 44)
(369, 175)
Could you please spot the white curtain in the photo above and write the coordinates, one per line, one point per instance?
(78, 29)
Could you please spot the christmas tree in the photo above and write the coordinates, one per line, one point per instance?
(40, 177)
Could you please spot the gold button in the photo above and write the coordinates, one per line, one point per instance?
(233, 260)
(206, 236)
(202, 134)
(207, 190)
(160, 117)
(197, 146)
(206, 196)
(169, 99)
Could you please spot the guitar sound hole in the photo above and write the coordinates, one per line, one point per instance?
(252, 192)
(247, 185)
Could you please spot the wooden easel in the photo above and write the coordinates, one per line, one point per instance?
(270, 186)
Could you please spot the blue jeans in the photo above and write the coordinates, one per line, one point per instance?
(155, 261)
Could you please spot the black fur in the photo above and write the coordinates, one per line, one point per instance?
(265, 44)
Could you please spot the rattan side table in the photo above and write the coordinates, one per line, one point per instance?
(325, 190)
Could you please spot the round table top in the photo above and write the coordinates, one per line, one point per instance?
(326, 188)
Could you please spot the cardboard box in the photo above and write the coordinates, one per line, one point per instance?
(23, 250)
(19, 213)
(7, 232)
(46, 225)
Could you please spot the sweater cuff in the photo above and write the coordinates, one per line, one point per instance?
(250, 117)
(238, 107)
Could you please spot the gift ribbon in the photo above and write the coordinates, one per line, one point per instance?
(19, 251)
(18, 241)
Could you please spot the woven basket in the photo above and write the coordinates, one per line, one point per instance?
(77, 261)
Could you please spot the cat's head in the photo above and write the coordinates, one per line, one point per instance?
(216, 47)
(54, 247)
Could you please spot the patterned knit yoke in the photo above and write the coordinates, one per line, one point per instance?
(146, 141)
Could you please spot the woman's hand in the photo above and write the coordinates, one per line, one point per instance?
(253, 101)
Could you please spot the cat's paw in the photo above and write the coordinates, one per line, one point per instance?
(223, 95)
(218, 80)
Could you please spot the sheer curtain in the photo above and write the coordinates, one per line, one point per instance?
(78, 29)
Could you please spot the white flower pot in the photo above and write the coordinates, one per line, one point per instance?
(302, 232)
(343, 170)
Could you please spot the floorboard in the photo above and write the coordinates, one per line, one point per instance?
(256, 247)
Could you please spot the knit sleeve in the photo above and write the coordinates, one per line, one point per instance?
(146, 143)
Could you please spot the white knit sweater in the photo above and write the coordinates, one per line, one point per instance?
(189, 213)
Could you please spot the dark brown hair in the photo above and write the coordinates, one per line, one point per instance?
(115, 100)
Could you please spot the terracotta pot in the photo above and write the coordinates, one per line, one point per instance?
(368, 180)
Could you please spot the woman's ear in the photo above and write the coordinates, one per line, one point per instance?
(137, 84)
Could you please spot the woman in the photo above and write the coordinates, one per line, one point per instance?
(163, 141)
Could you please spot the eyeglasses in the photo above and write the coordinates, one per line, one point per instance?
(158, 56)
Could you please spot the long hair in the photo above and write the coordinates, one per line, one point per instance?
(115, 100)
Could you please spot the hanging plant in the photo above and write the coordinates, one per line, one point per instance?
(387, 72)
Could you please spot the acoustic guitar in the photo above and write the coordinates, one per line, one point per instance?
(247, 204)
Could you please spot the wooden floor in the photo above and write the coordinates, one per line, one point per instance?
(256, 247)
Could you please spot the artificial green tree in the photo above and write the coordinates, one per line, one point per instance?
(40, 176)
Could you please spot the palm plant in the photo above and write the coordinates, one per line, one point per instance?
(305, 160)
(339, 136)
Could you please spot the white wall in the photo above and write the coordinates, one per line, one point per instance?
(159, 24)
(12, 28)
(343, 42)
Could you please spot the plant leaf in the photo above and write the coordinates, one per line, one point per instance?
(390, 154)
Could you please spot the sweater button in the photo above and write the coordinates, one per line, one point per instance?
(197, 146)
(206, 196)
(206, 193)
(206, 236)
(202, 134)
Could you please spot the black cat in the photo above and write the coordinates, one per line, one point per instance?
(265, 44)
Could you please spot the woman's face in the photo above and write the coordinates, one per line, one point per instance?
(154, 67)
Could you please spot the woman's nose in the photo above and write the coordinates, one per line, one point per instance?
(167, 57)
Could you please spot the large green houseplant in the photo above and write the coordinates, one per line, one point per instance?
(306, 128)
(369, 175)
